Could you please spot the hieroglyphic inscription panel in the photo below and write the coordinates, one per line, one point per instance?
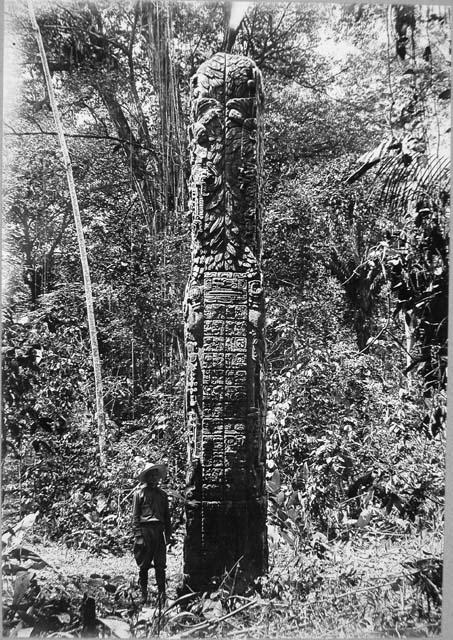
(224, 385)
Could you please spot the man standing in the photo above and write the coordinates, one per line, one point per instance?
(152, 528)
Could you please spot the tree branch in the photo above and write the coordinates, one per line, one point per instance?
(89, 136)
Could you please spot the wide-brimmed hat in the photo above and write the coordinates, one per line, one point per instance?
(160, 466)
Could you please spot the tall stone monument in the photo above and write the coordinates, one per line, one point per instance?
(224, 321)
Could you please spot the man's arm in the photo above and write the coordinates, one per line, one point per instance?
(136, 512)
(167, 520)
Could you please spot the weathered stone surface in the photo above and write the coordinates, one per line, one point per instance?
(224, 320)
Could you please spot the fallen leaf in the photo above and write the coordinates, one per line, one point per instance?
(119, 628)
(212, 609)
(21, 585)
(64, 618)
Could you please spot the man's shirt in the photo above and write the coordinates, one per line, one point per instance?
(150, 505)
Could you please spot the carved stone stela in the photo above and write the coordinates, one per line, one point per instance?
(224, 319)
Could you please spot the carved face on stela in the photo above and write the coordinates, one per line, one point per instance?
(209, 91)
(244, 81)
(196, 298)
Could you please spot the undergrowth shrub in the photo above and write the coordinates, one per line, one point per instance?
(50, 447)
(347, 446)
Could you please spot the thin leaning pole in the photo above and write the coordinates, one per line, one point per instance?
(80, 238)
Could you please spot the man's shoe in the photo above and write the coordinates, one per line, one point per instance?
(143, 582)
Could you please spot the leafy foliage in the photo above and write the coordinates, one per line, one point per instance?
(356, 274)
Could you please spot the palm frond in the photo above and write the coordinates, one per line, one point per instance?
(395, 176)
(373, 157)
(407, 176)
(413, 182)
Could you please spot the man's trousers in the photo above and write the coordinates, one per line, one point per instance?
(153, 550)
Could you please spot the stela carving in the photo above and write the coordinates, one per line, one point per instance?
(224, 321)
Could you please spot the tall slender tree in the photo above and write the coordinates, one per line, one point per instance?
(80, 238)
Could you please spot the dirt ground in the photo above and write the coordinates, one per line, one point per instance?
(355, 590)
(83, 565)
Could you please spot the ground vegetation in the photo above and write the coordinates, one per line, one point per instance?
(356, 216)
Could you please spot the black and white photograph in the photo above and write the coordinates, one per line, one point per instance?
(225, 270)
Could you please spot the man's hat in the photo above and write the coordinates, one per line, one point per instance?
(160, 466)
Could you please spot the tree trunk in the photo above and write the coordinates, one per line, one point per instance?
(409, 335)
(81, 241)
(224, 321)
(172, 136)
(232, 21)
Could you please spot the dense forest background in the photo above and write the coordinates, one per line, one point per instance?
(356, 214)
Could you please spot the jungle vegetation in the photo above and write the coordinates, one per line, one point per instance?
(356, 197)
